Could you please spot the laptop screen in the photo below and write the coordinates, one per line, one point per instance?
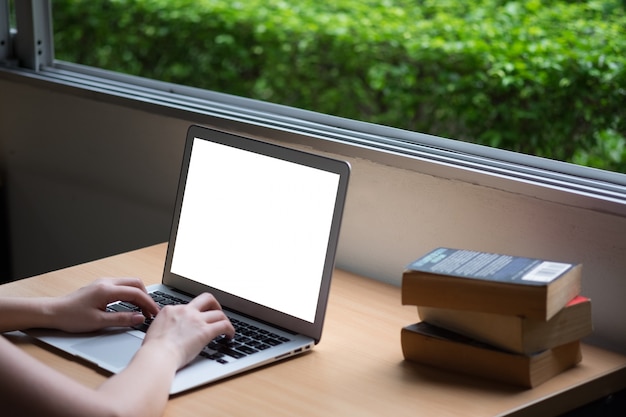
(255, 226)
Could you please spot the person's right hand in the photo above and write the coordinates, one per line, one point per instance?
(186, 329)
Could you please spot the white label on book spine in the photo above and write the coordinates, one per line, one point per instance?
(546, 271)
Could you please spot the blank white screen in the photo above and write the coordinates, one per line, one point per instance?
(256, 227)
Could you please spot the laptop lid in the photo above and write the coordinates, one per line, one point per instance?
(257, 225)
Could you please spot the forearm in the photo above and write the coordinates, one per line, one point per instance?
(26, 313)
(141, 390)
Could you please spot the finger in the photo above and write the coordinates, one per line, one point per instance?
(135, 296)
(130, 282)
(213, 316)
(205, 301)
(218, 323)
(218, 318)
(110, 319)
(223, 327)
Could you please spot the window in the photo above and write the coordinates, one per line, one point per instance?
(545, 79)
(35, 50)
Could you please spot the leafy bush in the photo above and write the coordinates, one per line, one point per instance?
(540, 77)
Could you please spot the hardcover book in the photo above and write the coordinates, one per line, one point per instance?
(430, 345)
(515, 333)
(491, 283)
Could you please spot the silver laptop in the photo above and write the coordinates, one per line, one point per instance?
(256, 225)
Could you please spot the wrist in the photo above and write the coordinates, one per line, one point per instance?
(26, 313)
(45, 313)
(167, 355)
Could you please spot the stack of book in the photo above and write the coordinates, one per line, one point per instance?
(507, 318)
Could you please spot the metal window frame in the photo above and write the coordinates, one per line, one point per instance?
(6, 43)
(33, 44)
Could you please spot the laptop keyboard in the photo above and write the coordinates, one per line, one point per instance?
(248, 340)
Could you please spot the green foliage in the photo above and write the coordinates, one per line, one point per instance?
(540, 77)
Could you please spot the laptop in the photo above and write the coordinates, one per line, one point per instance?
(256, 225)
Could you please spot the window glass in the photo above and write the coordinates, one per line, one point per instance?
(537, 77)
(7, 7)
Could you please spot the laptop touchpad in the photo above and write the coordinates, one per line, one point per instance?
(112, 352)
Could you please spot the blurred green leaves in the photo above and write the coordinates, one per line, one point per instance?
(535, 76)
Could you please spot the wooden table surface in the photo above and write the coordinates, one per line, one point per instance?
(356, 370)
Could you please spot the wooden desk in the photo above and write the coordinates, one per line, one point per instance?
(356, 370)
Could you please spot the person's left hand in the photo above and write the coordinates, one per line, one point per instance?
(84, 310)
